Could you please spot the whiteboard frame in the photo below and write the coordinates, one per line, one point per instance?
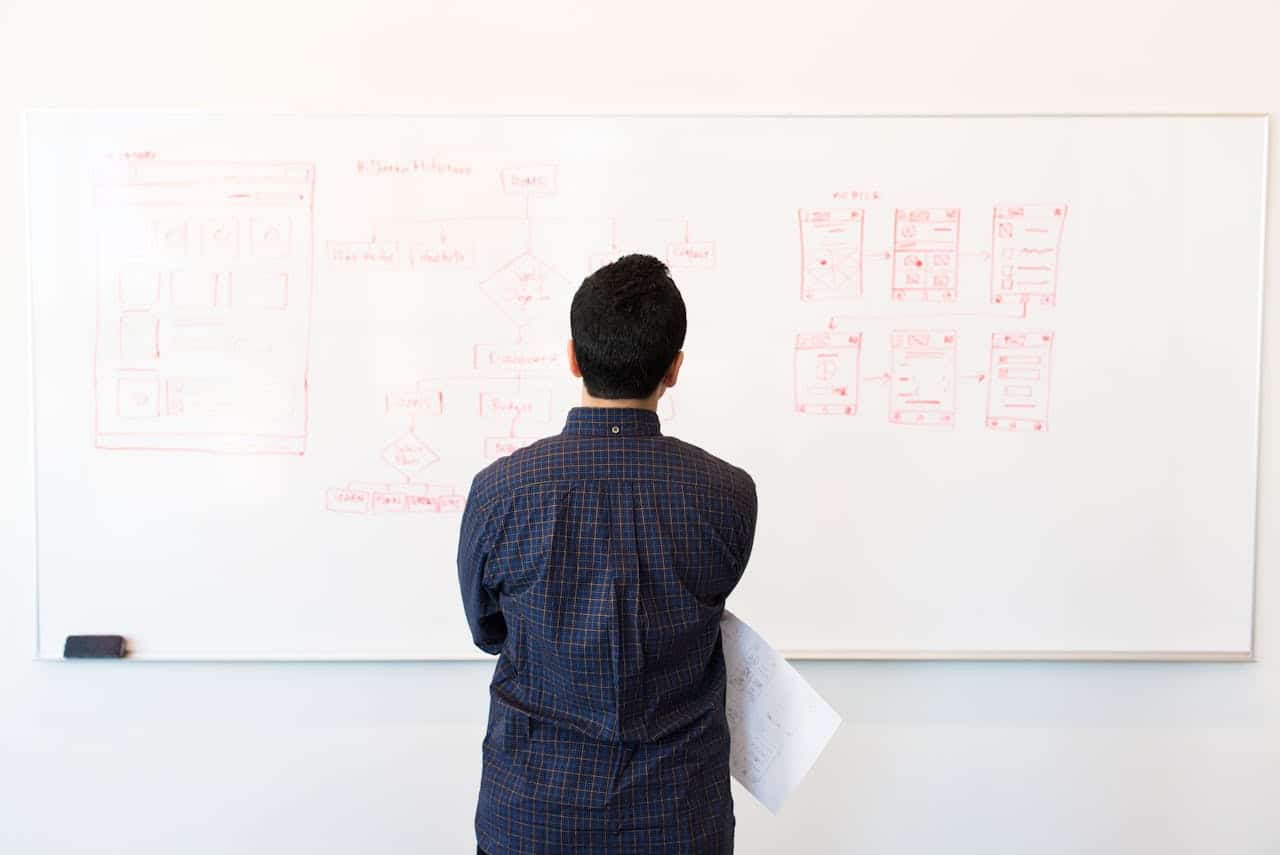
(1249, 655)
(790, 655)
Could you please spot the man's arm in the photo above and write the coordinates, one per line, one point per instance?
(481, 603)
(743, 533)
(749, 514)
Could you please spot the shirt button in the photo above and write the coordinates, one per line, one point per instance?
(615, 429)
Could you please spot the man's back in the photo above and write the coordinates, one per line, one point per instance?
(597, 563)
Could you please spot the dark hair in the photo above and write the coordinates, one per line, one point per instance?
(628, 324)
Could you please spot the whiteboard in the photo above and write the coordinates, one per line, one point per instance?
(996, 378)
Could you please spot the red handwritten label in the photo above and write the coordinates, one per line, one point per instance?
(384, 256)
(537, 179)
(388, 503)
(347, 501)
(430, 402)
(699, 255)
(412, 166)
(537, 406)
(489, 356)
(428, 255)
(448, 503)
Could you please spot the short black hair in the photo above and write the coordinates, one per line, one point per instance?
(628, 323)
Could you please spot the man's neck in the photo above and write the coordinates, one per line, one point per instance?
(649, 403)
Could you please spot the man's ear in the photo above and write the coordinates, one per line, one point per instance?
(673, 372)
(573, 361)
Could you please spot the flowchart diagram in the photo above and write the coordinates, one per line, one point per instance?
(922, 373)
(507, 398)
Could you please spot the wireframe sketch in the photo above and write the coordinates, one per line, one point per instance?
(826, 373)
(922, 384)
(203, 307)
(926, 254)
(1018, 394)
(831, 253)
(1026, 241)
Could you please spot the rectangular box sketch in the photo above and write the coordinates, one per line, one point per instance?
(691, 255)
(532, 403)
(926, 254)
(831, 253)
(507, 360)
(826, 373)
(922, 377)
(532, 179)
(1018, 392)
(205, 284)
(1025, 244)
(501, 446)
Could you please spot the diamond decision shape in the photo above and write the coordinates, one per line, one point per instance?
(524, 286)
(409, 454)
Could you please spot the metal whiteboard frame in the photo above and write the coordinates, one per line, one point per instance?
(1249, 655)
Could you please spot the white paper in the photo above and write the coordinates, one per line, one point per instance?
(778, 723)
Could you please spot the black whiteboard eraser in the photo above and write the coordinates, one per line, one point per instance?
(94, 647)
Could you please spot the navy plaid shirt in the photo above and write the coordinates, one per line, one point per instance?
(596, 564)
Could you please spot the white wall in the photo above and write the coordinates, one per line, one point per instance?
(1042, 758)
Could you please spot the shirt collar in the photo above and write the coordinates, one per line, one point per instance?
(612, 421)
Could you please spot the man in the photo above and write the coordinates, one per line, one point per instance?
(596, 563)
